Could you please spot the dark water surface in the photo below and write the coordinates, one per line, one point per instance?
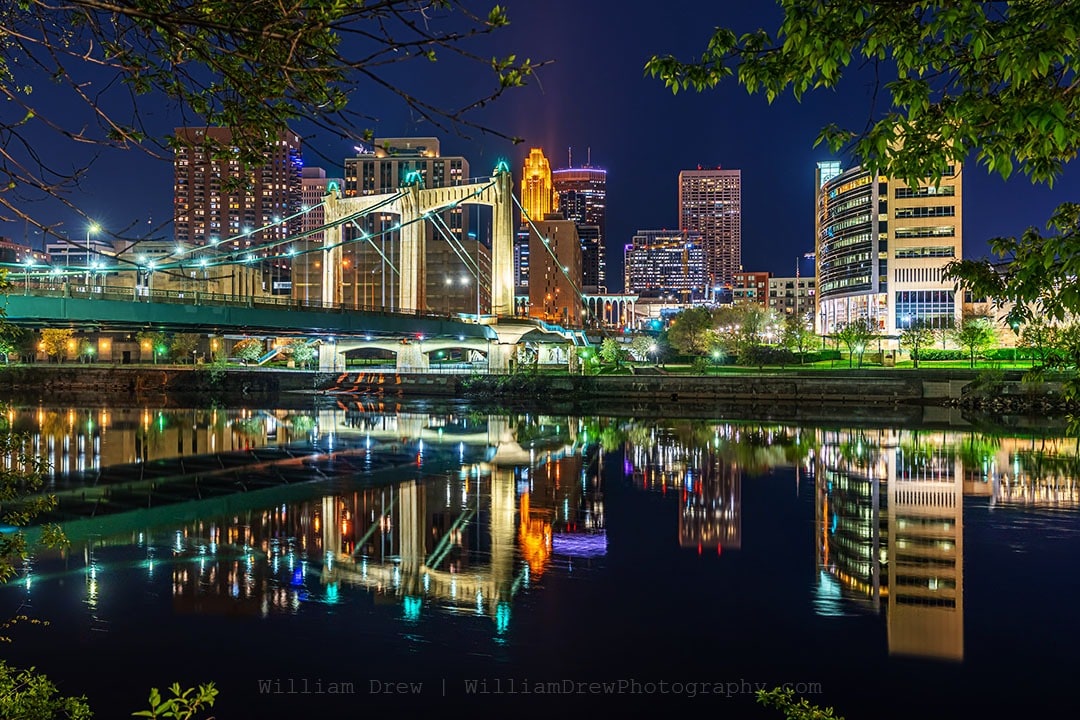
(419, 558)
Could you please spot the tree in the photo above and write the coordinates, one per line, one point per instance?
(915, 337)
(182, 346)
(612, 351)
(153, 342)
(11, 340)
(643, 348)
(55, 341)
(963, 76)
(995, 78)
(855, 336)
(1040, 339)
(975, 334)
(29, 695)
(798, 336)
(692, 332)
(303, 353)
(249, 349)
(252, 67)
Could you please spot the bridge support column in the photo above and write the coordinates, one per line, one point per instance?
(411, 267)
(502, 247)
(499, 356)
(330, 360)
(412, 358)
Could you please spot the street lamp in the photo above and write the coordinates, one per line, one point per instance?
(29, 264)
(449, 283)
(92, 228)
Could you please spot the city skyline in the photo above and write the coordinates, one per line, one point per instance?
(594, 95)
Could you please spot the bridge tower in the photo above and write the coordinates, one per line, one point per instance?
(413, 204)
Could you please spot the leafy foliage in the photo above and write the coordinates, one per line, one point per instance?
(915, 338)
(855, 336)
(975, 335)
(29, 695)
(183, 705)
(252, 67)
(692, 331)
(54, 341)
(302, 353)
(798, 336)
(784, 701)
(182, 346)
(963, 76)
(612, 351)
(248, 349)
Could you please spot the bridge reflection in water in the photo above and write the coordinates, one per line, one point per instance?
(485, 505)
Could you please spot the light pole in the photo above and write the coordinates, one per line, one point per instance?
(93, 227)
(449, 283)
(26, 275)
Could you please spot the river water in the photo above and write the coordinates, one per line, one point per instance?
(366, 557)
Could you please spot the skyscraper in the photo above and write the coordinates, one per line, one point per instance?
(537, 197)
(710, 203)
(581, 196)
(214, 199)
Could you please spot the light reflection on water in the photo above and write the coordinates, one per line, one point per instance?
(486, 513)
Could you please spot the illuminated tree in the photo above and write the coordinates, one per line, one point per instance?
(916, 336)
(55, 342)
(249, 349)
(855, 336)
(253, 67)
(153, 342)
(182, 346)
(303, 353)
(975, 335)
(692, 331)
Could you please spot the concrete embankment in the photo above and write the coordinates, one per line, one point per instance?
(859, 390)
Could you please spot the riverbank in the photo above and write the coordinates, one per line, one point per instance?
(860, 392)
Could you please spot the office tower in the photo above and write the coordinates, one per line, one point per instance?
(307, 260)
(665, 262)
(710, 203)
(216, 199)
(537, 197)
(882, 247)
(581, 196)
(554, 266)
(368, 280)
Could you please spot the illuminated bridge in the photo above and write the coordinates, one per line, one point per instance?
(81, 296)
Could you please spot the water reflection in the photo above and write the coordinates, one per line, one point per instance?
(478, 509)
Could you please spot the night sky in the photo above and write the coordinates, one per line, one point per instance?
(595, 96)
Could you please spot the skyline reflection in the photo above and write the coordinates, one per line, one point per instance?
(483, 507)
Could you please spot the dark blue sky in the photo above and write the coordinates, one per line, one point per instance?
(594, 95)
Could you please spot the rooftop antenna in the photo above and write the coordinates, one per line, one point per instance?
(570, 157)
(588, 157)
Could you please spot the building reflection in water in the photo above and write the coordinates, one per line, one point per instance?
(888, 506)
(468, 539)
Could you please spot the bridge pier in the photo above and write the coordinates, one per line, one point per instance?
(499, 355)
(412, 358)
(330, 360)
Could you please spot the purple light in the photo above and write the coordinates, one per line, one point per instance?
(579, 544)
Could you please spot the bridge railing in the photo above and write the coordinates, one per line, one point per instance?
(199, 297)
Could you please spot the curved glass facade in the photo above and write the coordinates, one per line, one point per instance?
(848, 246)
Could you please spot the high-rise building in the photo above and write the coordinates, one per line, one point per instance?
(537, 197)
(214, 199)
(710, 203)
(882, 247)
(663, 262)
(393, 163)
(581, 196)
(554, 266)
(307, 258)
